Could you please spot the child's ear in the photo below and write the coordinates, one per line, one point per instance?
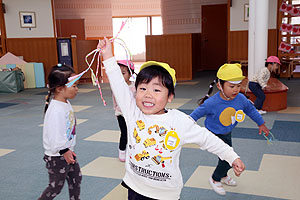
(59, 89)
(218, 85)
(170, 98)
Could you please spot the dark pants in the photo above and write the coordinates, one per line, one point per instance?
(59, 171)
(132, 195)
(123, 129)
(223, 167)
(259, 93)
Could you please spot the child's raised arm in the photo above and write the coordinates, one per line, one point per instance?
(120, 88)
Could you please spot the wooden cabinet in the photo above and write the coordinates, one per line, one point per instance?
(180, 51)
(289, 37)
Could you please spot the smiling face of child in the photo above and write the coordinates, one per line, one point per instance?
(230, 90)
(152, 97)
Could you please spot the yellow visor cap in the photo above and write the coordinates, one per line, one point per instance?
(164, 65)
(230, 72)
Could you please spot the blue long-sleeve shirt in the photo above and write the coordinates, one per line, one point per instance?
(219, 112)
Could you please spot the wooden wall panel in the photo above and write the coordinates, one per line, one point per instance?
(83, 48)
(68, 27)
(238, 44)
(176, 50)
(2, 31)
(272, 42)
(42, 50)
(196, 49)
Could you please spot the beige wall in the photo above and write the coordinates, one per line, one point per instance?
(135, 8)
(43, 12)
(237, 22)
(183, 17)
(98, 13)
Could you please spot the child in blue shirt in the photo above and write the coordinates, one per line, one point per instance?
(223, 111)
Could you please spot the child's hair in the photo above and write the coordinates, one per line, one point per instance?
(58, 76)
(153, 71)
(211, 88)
(268, 63)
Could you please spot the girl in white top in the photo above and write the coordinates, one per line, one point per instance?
(59, 135)
(156, 135)
(259, 82)
(127, 69)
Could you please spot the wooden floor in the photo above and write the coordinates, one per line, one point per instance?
(276, 95)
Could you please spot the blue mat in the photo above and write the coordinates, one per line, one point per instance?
(282, 131)
(4, 105)
(286, 131)
(247, 133)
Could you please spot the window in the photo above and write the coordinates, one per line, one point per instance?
(133, 34)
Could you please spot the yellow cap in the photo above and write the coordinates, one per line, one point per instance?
(230, 72)
(164, 65)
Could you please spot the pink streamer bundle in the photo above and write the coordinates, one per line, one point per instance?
(94, 77)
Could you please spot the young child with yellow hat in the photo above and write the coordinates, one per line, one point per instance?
(155, 134)
(259, 82)
(223, 111)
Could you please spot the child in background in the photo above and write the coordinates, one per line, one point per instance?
(156, 135)
(127, 69)
(259, 82)
(223, 111)
(59, 136)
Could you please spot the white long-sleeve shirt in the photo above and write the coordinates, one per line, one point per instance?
(116, 107)
(155, 142)
(59, 128)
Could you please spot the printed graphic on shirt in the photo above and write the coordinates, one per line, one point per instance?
(229, 116)
(152, 150)
(142, 156)
(172, 140)
(226, 116)
(158, 159)
(148, 173)
(140, 124)
(71, 123)
(160, 130)
(149, 142)
(136, 136)
(239, 116)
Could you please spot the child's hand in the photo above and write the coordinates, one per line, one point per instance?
(267, 87)
(69, 157)
(106, 48)
(263, 128)
(238, 166)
